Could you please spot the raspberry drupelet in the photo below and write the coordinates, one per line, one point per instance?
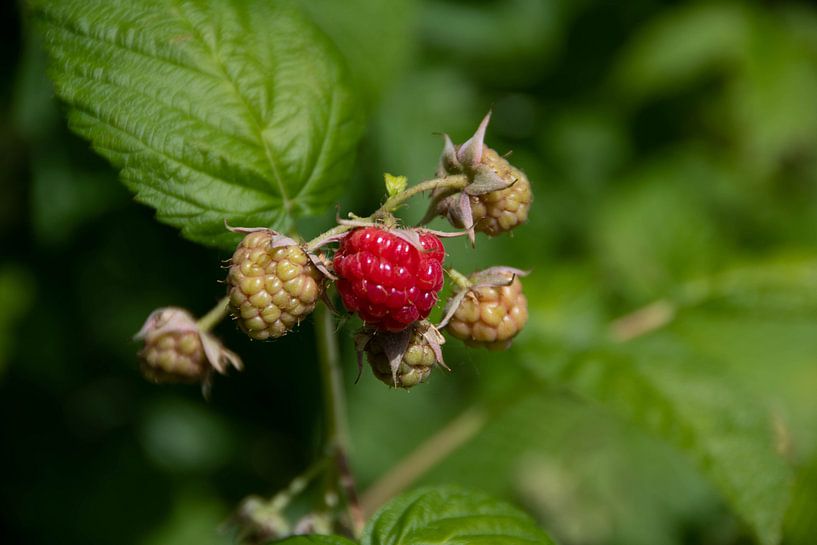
(387, 280)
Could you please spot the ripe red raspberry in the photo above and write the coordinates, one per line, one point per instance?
(386, 279)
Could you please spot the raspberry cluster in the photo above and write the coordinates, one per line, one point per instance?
(386, 278)
(271, 288)
(388, 275)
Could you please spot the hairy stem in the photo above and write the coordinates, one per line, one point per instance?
(216, 314)
(449, 184)
(643, 321)
(337, 429)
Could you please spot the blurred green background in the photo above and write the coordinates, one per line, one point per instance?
(672, 149)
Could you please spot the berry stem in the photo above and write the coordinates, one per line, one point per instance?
(337, 428)
(449, 184)
(216, 314)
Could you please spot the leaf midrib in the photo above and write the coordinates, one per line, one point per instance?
(257, 126)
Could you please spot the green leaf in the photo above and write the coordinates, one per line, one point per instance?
(661, 388)
(213, 110)
(451, 515)
(681, 46)
(777, 286)
(316, 540)
(801, 525)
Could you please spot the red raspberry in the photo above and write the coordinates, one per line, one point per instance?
(386, 280)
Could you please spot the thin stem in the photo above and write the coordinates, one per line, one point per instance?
(449, 184)
(319, 240)
(337, 429)
(455, 182)
(434, 449)
(216, 314)
(642, 321)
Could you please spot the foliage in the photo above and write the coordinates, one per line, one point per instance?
(450, 515)
(671, 154)
(259, 121)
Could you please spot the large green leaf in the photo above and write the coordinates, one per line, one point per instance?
(213, 109)
(451, 515)
(660, 387)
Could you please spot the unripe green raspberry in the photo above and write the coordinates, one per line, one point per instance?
(498, 211)
(490, 316)
(271, 287)
(176, 350)
(402, 359)
(497, 197)
(173, 357)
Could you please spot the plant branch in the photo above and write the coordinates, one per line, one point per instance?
(216, 314)
(337, 430)
(428, 454)
(449, 184)
(642, 321)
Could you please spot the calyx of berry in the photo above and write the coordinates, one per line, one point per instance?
(468, 158)
(401, 359)
(177, 350)
(489, 203)
(489, 310)
(278, 240)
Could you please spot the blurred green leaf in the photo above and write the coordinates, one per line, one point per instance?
(660, 386)
(16, 296)
(316, 540)
(681, 45)
(784, 285)
(765, 61)
(181, 436)
(376, 58)
(451, 515)
(509, 40)
(585, 475)
(801, 524)
(643, 233)
(212, 110)
(195, 519)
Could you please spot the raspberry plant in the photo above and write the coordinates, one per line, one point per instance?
(236, 119)
(389, 275)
